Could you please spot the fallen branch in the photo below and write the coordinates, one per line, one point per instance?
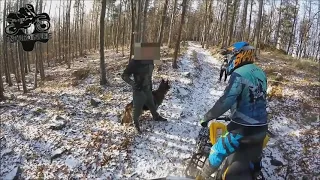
(7, 105)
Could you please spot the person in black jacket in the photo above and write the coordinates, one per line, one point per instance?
(223, 69)
(142, 88)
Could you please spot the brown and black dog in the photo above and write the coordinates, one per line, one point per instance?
(158, 96)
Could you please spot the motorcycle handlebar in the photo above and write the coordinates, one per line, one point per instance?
(226, 118)
(223, 118)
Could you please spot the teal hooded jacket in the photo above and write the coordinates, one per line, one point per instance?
(245, 96)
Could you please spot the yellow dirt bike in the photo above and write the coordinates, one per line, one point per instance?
(207, 137)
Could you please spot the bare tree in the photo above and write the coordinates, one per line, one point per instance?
(124, 28)
(5, 53)
(164, 14)
(279, 25)
(204, 24)
(132, 28)
(257, 32)
(175, 56)
(138, 22)
(225, 37)
(172, 22)
(244, 19)
(232, 22)
(103, 78)
(118, 27)
(293, 26)
(250, 17)
(145, 10)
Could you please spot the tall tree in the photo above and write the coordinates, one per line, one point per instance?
(132, 39)
(118, 27)
(244, 19)
(293, 26)
(225, 37)
(144, 26)
(4, 47)
(279, 25)
(4, 50)
(175, 55)
(103, 78)
(172, 22)
(232, 22)
(41, 67)
(164, 15)
(124, 28)
(204, 24)
(138, 21)
(257, 32)
(250, 17)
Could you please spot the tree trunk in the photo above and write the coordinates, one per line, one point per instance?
(124, 28)
(293, 26)
(81, 44)
(175, 55)
(318, 32)
(15, 62)
(138, 24)
(96, 39)
(69, 36)
(172, 22)
(103, 78)
(48, 63)
(257, 33)
(118, 28)
(232, 22)
(144, 27)
(218, 37)
(132, 28)
(1, 87)
(224, 39)
(278, 27)
(42, 75)
(249, 28)
(1, 81)
(21, 63)
(244, 19)
(164, 14)
(4, 48)
(59, 33)
(204, 25)
(210, 29)
(36, 71)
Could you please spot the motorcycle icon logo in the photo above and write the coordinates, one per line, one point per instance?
(28, 27)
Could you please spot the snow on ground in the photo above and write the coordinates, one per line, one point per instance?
(63, 131)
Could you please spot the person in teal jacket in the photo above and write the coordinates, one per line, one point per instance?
(245, 97)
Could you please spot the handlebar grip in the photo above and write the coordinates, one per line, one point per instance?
(223, 118)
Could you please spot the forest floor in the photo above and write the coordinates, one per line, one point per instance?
(69, 127)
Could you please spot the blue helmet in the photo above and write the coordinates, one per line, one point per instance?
(240, 53)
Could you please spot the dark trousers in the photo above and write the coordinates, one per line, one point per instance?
(221, 74)
(141, 98)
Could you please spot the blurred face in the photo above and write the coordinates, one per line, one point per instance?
(148, 52)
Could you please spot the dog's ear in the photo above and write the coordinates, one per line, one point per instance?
(162, 80)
